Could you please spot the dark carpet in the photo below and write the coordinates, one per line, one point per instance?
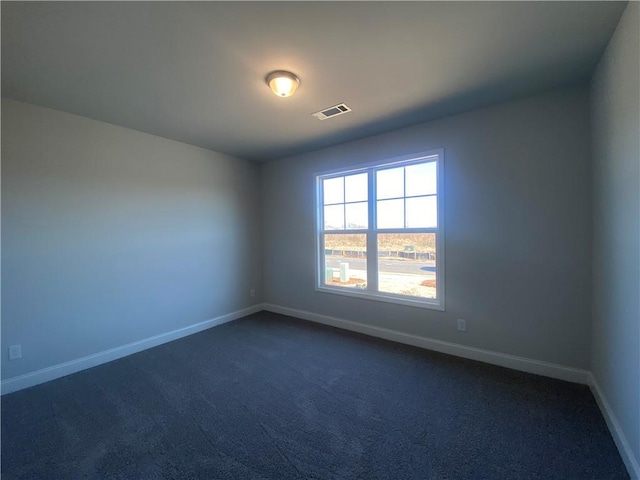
(269, 396)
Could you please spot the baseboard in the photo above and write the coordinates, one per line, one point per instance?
(496, 358)
(56, 371)
(630, 460)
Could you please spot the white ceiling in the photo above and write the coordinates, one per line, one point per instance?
(194, 71)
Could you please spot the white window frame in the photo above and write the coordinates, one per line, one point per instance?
(371, 232)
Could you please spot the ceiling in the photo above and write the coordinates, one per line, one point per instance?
(194, 71)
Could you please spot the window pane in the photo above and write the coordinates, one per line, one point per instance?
(334, 217)
(391, 214)
(422, 212)
(390, 183)
(421, 179)
(345, 260)
(407, 264)
(357, 215)
(356, 188)
(333, 190)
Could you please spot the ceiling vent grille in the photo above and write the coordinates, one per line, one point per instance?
(330, 112)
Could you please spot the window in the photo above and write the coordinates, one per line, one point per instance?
(380, 232)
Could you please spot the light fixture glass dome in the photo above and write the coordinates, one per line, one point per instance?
(283, 84)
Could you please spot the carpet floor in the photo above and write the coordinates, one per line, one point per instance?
(272, 397)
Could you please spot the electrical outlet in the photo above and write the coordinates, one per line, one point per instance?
(462, 325)
(252, 292)
(15, 352)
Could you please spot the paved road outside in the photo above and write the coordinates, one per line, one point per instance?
(402, 283)
(388, 266)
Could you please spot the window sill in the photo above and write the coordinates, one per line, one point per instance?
(429, 304)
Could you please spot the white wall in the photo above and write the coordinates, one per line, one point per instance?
(517, 227)
(616, 282)
(110, 236)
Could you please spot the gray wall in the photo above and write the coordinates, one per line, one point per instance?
(616, 284)
(517, 227)
(111, 236)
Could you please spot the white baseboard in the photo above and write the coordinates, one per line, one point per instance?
(496, 358)
(630, 460)
(56, 371)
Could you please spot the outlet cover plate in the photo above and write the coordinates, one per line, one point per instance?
(15, 352)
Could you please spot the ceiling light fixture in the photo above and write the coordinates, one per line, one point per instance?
(282, 83)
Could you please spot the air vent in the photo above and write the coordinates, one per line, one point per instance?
(332, 111)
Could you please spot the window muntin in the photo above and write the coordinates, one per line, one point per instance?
(407, 196)
(391, 210)
(345, 202)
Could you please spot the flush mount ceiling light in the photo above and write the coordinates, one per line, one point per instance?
(282, 83)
